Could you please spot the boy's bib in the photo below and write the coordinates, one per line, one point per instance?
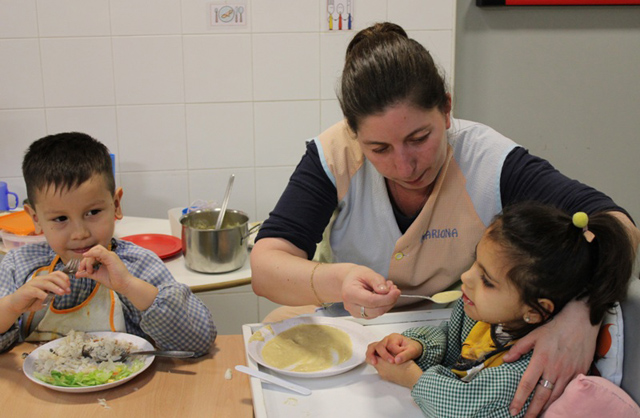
(101, 311)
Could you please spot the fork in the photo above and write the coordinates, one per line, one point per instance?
(70, 268)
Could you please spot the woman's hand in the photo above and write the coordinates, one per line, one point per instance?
(562, 349)
(394, 349)
(366, 293)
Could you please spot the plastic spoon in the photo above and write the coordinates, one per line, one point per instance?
(442, 297)
(274, 380)
(225, 201)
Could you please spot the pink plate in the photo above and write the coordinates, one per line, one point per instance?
(164, 245)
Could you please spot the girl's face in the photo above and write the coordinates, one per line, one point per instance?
(406, 144)
(488, 294)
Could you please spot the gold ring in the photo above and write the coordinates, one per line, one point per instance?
(546, 384)
(363, 313)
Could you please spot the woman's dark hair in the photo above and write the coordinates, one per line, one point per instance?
(384, 67)
(551, 258)
(64, 161)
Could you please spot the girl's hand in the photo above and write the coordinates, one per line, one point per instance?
(406, 374)
(363, 287)
(394, 349)
(30, 296)
(112, 272)
(562, 349)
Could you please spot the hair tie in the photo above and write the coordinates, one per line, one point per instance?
(581, 220)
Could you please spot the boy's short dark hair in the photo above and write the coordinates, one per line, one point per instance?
(64, 161)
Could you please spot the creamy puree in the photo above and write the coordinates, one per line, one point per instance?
(308, 348)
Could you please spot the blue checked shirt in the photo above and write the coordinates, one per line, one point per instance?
(176, 320)
(440, 393)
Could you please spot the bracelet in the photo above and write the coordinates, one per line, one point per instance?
(313, 287)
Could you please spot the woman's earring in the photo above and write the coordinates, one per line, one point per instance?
(527, 319)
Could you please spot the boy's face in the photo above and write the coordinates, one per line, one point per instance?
(75, 220)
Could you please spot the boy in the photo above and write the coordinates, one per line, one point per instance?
(118, 286)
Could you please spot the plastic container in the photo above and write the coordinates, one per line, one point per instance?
(12, 241)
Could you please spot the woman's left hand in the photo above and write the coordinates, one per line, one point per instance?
(562, 349)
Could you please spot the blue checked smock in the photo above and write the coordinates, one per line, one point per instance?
(176, 320)
(441, 393)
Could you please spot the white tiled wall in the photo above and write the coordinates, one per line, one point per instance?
(182, 104)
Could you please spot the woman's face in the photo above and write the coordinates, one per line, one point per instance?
(406, 144)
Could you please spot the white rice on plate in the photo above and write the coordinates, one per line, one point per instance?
(84, 360)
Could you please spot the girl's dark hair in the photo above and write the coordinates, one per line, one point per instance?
(64, 161)
(552, 259)
(384, 67)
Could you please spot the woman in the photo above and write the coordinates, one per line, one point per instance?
(405, 192)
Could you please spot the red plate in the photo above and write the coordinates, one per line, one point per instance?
(164, 245)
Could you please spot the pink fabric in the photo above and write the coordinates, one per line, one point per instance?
(593, 396)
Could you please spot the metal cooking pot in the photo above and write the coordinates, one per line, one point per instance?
(210, 250)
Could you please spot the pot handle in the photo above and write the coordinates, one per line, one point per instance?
(250, 231)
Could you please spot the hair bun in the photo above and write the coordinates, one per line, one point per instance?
(376, 32)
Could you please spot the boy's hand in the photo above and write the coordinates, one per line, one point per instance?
(406, 374)
(395, 349)
(30, 296)
(112, 272)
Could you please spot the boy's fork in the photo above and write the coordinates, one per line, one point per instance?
(70, 268)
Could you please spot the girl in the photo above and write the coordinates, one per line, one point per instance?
(530, 263)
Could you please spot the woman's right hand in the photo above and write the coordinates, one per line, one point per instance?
(364, 288)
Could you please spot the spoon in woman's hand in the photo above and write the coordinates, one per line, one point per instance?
(442, 297)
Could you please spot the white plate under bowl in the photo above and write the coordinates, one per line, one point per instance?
(359, 340)
(29, 363)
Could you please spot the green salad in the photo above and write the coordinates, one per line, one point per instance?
(96, 377)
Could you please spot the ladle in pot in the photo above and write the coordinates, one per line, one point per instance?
(225, 201)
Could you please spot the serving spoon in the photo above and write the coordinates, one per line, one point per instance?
(225, 202)
(440, 298)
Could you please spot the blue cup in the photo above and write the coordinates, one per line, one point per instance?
(113, 164)
(4, 197)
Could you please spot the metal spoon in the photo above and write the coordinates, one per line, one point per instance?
(123, 355)
(225, 201)
(442, 297)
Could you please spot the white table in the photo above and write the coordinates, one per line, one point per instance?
(198, 282)
(359, 392)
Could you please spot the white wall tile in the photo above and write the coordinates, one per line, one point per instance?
(220, 135)
(330, 114)
(77, 71)
(18, 19)
(99, 122)
(332, 52)
(151, 194)
(18, 129)
(286, 66)
(281, 129)
(148, 69)
(210, 186)
(21, 81)
(440, 45)
(422, 14)
(152, 138)
(217, 68)
(196, 17)
(285, 16)
(73, 17)
(145, 17)
(270, 183)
